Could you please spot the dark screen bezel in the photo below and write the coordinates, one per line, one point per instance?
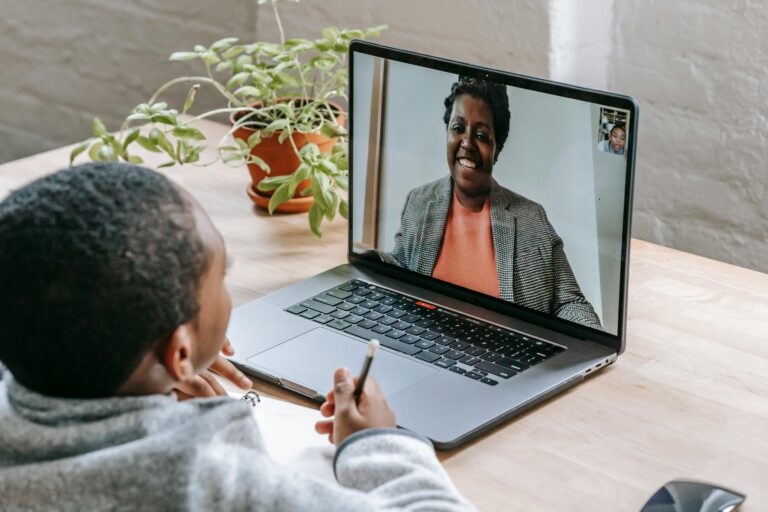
(615, 341)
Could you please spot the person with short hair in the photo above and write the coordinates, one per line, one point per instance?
(615, 142)
(468, 230)
(112, 296)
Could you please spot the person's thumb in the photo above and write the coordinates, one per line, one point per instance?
(343, 388)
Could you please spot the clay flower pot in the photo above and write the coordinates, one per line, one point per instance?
(282, 160)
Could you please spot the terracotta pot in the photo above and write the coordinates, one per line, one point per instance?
(282, 160)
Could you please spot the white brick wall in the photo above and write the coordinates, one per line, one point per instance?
(698, 69)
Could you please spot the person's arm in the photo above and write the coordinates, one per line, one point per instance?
(568, 302)
(378, 466)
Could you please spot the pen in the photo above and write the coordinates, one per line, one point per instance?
(372, 346)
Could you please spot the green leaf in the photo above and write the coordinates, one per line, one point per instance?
(210, 58)
(330, 32)
(79, 149)
(261, 163)
(330, 129)
(233, 52)
(130, 138)
(162, 142)
(188, 132)
(334, 200)
(170, 163)
(223, 44)
(137, 117)
(147, 144)
(279, 197)
(99, 129)
(164, 118)
(238, 79)
(278, 124)
(297, 177)
(344, 209)
(135, 159)
(342, 181)
(273, 182)
(231, 157)
(183, 56)
(315, 220)
(248, 90)
(190, 97)
(283, 135)
(254, 139)
(93, 153)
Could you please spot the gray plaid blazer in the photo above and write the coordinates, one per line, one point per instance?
(530, 261)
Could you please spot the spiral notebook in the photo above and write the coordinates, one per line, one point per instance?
(289, 434)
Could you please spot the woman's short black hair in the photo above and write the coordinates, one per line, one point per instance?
(618, 127)
(494, 94)
(97, 263)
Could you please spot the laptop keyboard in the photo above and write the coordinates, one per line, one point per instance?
(460, 344)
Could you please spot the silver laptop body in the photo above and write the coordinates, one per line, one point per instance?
(587, 196)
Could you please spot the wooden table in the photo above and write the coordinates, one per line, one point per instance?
(689, 398)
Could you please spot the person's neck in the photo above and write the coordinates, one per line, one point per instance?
(149, 378)
(471, 203)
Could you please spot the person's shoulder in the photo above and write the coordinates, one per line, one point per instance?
(518, 203)
(425, 192)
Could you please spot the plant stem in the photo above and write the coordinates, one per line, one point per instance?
(204, 79)
(279, 23)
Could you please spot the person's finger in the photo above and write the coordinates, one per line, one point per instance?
(180, 395)
(324, 427)
(343, 389)
(215, 386)
(228, 350)
(230, 372)
(327, 409)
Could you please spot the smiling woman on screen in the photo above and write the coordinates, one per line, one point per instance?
(468, 230)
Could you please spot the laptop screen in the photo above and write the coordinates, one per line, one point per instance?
(513, 190)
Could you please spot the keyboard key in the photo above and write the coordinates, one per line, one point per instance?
(367, 324)
(327, 299)
(424, 344)
(395, 334)
(415, 330)
(387, 320)
(455, 354)
(399, 346)
(388, 301)
(512, 364)
(348, 287)
(383, 308)
(381, 329)
(495, 369)
(362, 292)
(376, 296)
(490, 382)
(345, 306)
(353, 319)
(356, 299)
(372, 315)
(429, 335)
(339, 294)
(411, 318)
(370, 304)
(310, 314)
(338, 324)
(457, 369)
(396, 313)
(359, 311)
(296, 310)
(490, 356)
(460, 345)
(475, 351)
(425, 323)
(427, 356)
(410, 339)
(470, 360)
(439, 349)
(339, 314)
(445, 340)
(317, 306)
(322, 319)
(473, 375)
(445, 363)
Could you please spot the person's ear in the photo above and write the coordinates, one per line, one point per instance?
(177, 356)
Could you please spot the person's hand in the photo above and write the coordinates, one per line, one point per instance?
(372, 410)
(205, 384)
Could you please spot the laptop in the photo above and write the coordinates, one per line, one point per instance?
(489, 225)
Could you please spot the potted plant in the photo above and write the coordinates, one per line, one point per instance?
(285, 122)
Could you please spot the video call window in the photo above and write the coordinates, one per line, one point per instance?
(498, 189)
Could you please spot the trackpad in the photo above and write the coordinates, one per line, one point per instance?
(311, 358)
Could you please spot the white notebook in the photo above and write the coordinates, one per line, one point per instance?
(289, 435)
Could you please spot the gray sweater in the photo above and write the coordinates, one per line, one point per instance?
(154, 453)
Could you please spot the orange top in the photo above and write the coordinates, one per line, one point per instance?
(466, 257)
